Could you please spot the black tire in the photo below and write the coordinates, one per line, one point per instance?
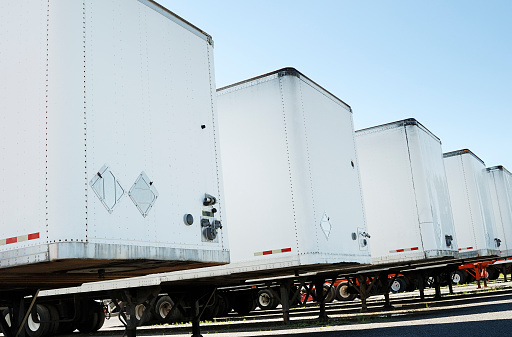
(223, 306)
(331, 293)
(54, 314)
(243, 303)
(469, 278)
(7, 318)
(345, 292)
(89, 317)
(458, 277)
(210, 310)
(100, 312)
(42, 329)
(398, 285)
(492, 273)
(267, 299)
(162, 307)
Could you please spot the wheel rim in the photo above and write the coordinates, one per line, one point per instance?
(8, 319)
(139, 311)
(456, 278)
(164, 309)
(344, 291)
(264, 299)
(33, 326)
(395, 286)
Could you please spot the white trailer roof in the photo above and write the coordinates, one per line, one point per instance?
(279, 73)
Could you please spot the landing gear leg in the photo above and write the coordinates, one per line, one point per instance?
(285, 301)
(320, 297)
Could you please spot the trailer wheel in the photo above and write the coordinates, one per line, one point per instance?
(267, 299)
(458, 277)
(345, 292)
(244, 303)
(99, 310)
(398, 285)
(223, 306)
(331, 293)
(7, 317)
(162, 308)
(139, 311)
(41, 329)
(210, 309)
(492, 273)
(91, 317)
(54, 315)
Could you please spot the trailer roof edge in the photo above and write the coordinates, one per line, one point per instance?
(399, 123)
(461, 152)
(177, 19)
(498, 168)
(287, 71)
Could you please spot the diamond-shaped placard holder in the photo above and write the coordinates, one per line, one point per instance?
(107, 188)
(143, 194)
(326, 226)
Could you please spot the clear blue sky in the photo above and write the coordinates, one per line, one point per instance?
(445, 63)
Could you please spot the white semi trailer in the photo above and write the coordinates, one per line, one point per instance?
(501, 196)
(470, 195)
(406, 199)
(110, 156)
(289, 159)
(405, 192)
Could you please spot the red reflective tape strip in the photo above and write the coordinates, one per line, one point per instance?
(275, 251)
(33, 236)
(404, 250)
(11, 240)
(19, 238)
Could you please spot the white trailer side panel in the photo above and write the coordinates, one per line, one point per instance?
(405, 193)
(120, 84)
(22, 131)
(501, 197)
(291, 189)
(468, 183)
